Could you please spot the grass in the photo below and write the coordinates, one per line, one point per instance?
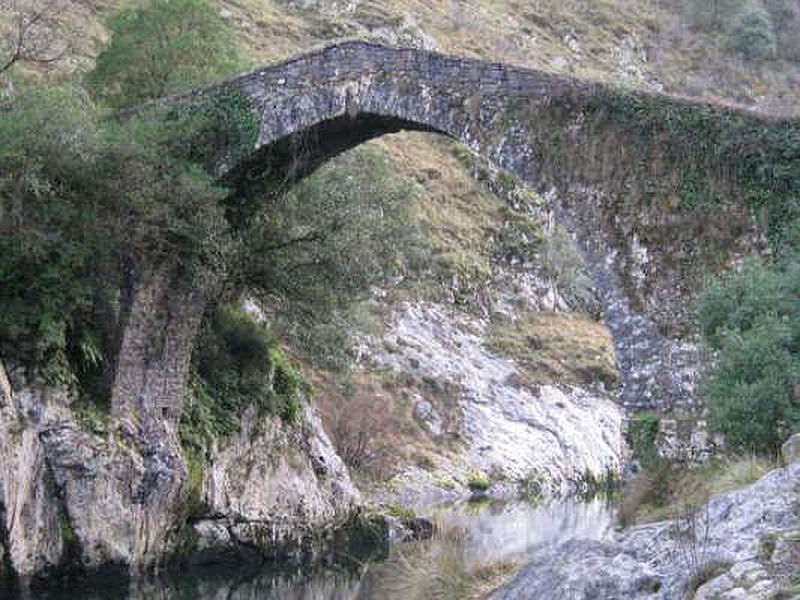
(439, 570)
(401, 512)
(458, 217)
(558, 348)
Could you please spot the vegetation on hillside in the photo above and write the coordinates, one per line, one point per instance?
(751, 320)
(558, 348)
(94, 204)
(163, 47)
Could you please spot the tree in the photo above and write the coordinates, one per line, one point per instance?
(753, 37)
(751, 319)
(88, 207)
(28, 35)
(313, 253)
(161, 48)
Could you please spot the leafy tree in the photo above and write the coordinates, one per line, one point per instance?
(86, 201)
(752, 320)
(312, 254)
(753, 37)
(48, 243)
(163, 47)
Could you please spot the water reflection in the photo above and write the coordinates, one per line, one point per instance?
(469, 536)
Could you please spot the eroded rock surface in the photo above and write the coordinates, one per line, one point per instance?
(83, 492)
(657, 560)
(275, 490)
(550, 437)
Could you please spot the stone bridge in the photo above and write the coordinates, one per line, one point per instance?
(650, 186)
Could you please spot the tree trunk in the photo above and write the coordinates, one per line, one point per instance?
(152, 367)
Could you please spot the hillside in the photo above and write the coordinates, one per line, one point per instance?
(682, 47)
(462, 208)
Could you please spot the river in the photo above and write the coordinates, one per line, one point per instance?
(469, 536)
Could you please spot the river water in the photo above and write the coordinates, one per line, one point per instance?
(469, 536)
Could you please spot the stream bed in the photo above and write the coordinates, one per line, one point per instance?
(469, 536)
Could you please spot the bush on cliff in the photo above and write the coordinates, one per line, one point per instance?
(237, 364)
(85, 201)
(163, 47)
(751, 320)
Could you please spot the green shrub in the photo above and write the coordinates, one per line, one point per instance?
(163, 47)
(753, 37)
(401, 512)
(287, 384)
(752, 320)
(478, 481)
(237, 364)
(643, 435)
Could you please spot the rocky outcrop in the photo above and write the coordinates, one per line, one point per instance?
(273, 490)
(739, 531)
(546, 438)
(82, 491)
(79, 496)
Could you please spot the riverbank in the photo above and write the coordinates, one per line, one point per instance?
(743, 544)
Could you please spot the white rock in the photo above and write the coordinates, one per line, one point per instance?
(713, 588)
(555, 434)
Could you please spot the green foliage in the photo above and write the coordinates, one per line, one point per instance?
(222, 128)
(643, 431)
(478, 481)
(752, 320)
(43, 289)
(163, 47)
(399, 511)
(83, 198)
(196, 465)
(314, 253)
(753, 37)
(237, 364)
(287, 384)
(50, 251)
(701, 156)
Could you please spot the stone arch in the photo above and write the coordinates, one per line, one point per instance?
(563, 137)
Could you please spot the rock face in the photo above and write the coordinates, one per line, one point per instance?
(742, 530)
(78, 492)
(274, 483)
(547, 437)
(76, 496)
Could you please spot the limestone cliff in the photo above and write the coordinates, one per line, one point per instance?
(80, 493)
